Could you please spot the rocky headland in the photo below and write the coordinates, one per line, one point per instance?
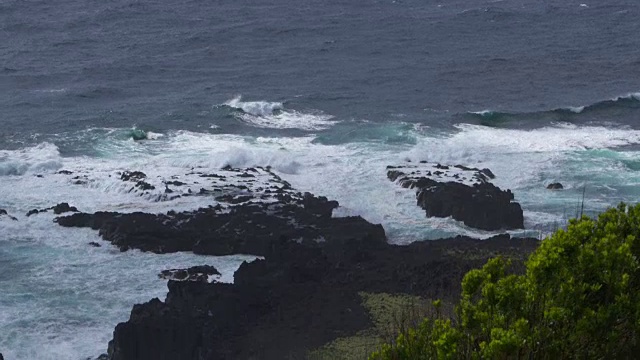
(306, 290)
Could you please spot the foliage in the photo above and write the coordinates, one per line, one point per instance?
(578, 298)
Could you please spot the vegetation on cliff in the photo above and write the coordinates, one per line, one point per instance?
(578, 298)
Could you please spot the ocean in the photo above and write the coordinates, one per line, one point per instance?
(327, 93)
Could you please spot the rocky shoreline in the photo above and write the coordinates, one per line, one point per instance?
(306, 290)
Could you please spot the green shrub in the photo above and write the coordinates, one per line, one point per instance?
(579, 298)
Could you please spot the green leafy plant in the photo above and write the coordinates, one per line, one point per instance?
(578, 298)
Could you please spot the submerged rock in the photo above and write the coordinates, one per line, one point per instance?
(462, 193)
(3, 213)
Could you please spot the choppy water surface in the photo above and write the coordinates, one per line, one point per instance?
(326, 92)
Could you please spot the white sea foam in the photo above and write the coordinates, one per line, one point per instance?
(633, 96)
(273, 115)
(482, 112)
(62, 298)
(256, 108)
(561, 137)
(42, 158)
(576, 109)
(69, 296)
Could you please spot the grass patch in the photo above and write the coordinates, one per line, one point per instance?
(390, 315)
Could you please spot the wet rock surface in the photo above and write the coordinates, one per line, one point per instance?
(246, 219)
(555, 186)
(248, 228)
(202, 273)
(58, 209)
(463, 193)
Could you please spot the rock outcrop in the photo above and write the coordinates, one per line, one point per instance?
(202, 273)
(58, 209)
(463, 193)
(306, 291)
(248, 228)
(555, 186)
(298, 298)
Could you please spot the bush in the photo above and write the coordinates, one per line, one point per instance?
(578, 298)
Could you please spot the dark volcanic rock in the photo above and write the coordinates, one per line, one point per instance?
(58, 209)
(133, 176)
(143, 185)
(464, 194)
(35, 211)
(243, 224)
(297, 299)
(249, 228)
(94, 244)
(302, 295)
(63, 208)
(195, 273)
(555, 186)
(175, 183)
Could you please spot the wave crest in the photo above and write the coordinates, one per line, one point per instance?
(569, 113)
(43, 157)
(273, 115)
(256, 108)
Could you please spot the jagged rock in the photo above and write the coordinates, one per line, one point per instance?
(555, 186)
(58, 209)
(300, 297)
(248, 228)
(64, 172)
(462, 193)
(95, 244)
(63, 208)
(143, 185)
(133, 176)
(195, 273)
(35, 211)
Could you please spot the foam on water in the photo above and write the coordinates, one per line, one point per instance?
(256, 108)
(41, 158)
(273, 115)
(62, 298)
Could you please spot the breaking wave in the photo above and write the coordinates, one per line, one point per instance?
(273, 115)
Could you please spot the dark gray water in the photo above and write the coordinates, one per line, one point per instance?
(328, 93)
(70, 65)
